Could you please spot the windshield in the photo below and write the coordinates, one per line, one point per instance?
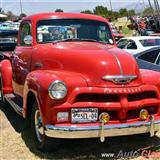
(150, 32)
(150, 42)
(56, 30)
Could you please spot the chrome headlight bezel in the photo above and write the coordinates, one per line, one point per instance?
(55, 94)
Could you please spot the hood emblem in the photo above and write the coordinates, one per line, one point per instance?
(120, 79)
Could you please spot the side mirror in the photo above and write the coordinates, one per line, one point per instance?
(28, 40)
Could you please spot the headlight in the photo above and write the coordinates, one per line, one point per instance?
(57, 90)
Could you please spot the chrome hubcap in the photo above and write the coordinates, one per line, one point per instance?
(38, 126)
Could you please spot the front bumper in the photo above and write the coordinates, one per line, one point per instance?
(73, 132)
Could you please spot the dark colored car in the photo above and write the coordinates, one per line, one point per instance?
(8, 40)
(147, 32)
(149, 59)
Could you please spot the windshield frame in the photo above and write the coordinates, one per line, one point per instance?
(111, 36)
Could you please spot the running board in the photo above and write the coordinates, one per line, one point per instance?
(14, 102)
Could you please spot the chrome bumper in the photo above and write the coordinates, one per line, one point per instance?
(73, 132)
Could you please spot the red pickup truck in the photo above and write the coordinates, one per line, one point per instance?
(68, 77)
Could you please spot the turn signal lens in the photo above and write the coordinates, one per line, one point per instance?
(104, 117)
(143, 115)
(62, 116)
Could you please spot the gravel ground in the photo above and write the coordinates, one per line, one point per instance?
(16, 143)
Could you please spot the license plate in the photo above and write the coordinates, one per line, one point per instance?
(84, 115)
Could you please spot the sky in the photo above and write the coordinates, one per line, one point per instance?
(35, 6)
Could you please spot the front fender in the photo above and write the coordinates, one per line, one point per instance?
(38, 83)
(150, 77)
(6, 75)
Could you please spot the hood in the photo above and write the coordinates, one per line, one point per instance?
(91, 60)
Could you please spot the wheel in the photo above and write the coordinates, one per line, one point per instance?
(2, 100)
(42, 142)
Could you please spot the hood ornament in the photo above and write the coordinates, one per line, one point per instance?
(120, 79)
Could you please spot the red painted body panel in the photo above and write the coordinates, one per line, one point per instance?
(118, 35)
(97, 60)
(81, 65)
(155, 34)
(6, 74)
(21, 65)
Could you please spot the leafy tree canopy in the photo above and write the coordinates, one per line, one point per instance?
(147, 12)
(59, 10)
(104, 12)
(87, 12)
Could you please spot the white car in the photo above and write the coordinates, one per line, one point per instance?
(139, 44)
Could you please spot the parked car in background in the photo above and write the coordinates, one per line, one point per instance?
(8, 40)
(15, 26)
(149, 59)
(117, 34)
(8, 35)
(9, 25)
(138, 44)
(5, 25)
(147, 32)
(155, 34)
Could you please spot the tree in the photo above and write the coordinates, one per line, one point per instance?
(101, 11)
(87, 12)
(123, 12)
(116, 15)
(104, 12)
(10, 15)
(22, 15)
(147, 12)
(131, 12)
(58, 10)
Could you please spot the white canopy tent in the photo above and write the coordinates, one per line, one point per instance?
(3, 15)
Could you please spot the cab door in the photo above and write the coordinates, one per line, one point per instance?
(21, 62)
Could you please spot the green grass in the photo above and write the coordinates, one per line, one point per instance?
(124, 23)
(126, 31)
